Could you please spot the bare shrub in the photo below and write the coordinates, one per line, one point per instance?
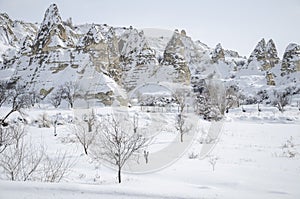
(83, 135)
(5, 138)
(193, 155)
(56, 168)
(213, 161)
(281, 99)
(44, 121)
(21, 162)
(288, 148)
(11, 134)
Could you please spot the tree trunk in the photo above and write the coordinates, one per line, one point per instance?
(12, 176)
(3, 120)
(181, 137)
(89, 127)
(55, 134)
(119, 175)
(85, 150)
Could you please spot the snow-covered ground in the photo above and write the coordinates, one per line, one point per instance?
(251, 153)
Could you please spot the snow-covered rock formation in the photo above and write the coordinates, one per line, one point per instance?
(264, 55)
(109, 62)
(218, 54)
(291, 59)
(52, 33)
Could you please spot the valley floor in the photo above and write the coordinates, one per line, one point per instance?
(252, 161)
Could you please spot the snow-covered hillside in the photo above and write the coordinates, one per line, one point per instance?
(205, 122)
(131, 57)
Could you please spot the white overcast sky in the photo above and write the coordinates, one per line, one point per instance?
(236, 24)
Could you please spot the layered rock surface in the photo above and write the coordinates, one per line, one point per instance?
(291, 59)
(265, 54)
(115, 60)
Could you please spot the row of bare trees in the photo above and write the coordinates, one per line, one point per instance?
(213, 98)
(17, 96)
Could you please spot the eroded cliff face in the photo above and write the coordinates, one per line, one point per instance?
(265, 57)
(183, 55)
(108, 62)
(218, 54)
(52, 34)
(291, 59)
(264, 53)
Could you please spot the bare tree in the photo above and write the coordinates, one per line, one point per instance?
(19, 160)
(19, 98)
(231, 97)
(118, 142)
(11, 162)
(55, 123)
(83, 135)
(69, 91)
(56, 98)
(31, 161)
(213, 99)
(180, 98)
(17, 132)
(11, 135)
(5, 138)
(3, 92)
(146, 156)
(90, 119)
(281, 100)
(181, 126)
(217, 93)
(213, 161)
(24, 161)
(54, 169)
(218, 99)
(180, 122)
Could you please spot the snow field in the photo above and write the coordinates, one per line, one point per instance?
(251, 161)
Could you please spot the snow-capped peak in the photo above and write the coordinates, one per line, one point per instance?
(291, 59)
(271, 50)
(258, 51)
(4, 19)
(52, 33)
(95, 33)
(93, 36)
(292, 47)
(218, 54)
(265, 54)
(52, 16)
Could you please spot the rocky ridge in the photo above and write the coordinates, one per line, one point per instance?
(120, 59)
